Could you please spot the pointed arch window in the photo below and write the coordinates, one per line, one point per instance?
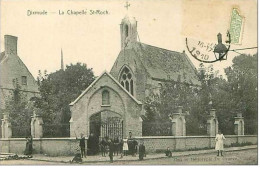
(105, 98)
(126, 80)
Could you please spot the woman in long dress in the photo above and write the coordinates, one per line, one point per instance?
(125, 146)
(219, 143)
(29, 147)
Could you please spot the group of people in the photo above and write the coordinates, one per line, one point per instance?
(123, 147)
(116, 146)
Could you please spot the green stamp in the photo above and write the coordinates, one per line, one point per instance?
(236, 25)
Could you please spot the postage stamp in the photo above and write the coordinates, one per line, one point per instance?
(236, 26)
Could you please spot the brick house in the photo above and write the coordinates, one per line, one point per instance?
(13, 70)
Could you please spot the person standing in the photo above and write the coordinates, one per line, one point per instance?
(135, 147)
(111, 150)
(29, 146)
(130, 143)
(219, 142)
(125, 147)
(82, 145)
(141, 151)
(92, 145)
(103, 145)
(116, 144)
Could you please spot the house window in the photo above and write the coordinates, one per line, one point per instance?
(127, 81)
(105, 98)
(24, 80)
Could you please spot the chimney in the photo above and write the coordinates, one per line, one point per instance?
(10, 44)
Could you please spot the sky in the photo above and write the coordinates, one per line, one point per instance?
(95, 39)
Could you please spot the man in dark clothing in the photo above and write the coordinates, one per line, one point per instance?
(111, 149)
(168, 153)
(141, 151)
(116, 146)
(103, 145)
(92, 145)
(82, 146)
(130, 143)
(135, 147)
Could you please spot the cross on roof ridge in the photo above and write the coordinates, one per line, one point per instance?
(127, 5)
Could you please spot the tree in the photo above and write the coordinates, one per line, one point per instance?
(57, 91)
(20, 111)
(242, 86)
(158, 107)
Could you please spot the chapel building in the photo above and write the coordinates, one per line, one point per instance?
(112, 105)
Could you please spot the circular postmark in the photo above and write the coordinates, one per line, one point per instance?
(208, 52)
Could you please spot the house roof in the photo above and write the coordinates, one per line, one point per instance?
(92, 84)
(4, 62)
(163, 64)
(2, 55)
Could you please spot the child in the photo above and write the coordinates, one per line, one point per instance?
(125, 146)
(168, 153)
(219, 142)
(141, 151)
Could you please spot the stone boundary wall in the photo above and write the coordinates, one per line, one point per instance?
(177, 143)
(69, 146)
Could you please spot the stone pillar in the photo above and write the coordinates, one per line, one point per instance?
(140, 134)
(178, 122)
(212, 123)
(36, 126)
(6, 127)
(239, 124)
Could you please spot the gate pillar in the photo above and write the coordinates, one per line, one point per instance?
(6, 127)
(239, 124)
(36, 126)
(178, 122)
(212, 123)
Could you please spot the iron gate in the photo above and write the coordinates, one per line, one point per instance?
(112, 127)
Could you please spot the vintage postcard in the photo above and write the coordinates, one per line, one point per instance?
(128, 82)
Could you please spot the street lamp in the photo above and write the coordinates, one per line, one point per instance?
(220, 51)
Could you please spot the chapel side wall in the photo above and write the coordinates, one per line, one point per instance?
(130, 59)
(133, 120)
(69, 146)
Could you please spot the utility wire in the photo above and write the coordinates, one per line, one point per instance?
(243, 48)
(237, 52)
